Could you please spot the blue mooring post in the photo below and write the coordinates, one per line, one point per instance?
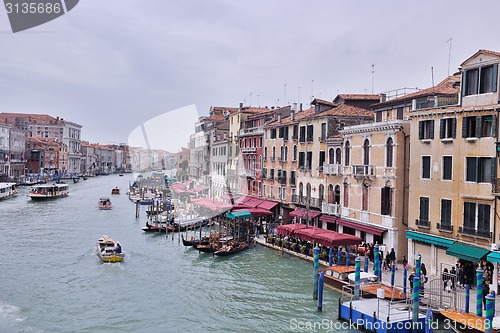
(490, 313)
(393, 274)
(366, 264)
(467, 298)
(375, 260)
(405, 278)
(415, 302)
(347, 257)
(479, 292)
(320, 290)
(339, 256)
(316, 264)
(330, 257)
(428, 320)
(418, 262)
(380, 270)
(357, 277)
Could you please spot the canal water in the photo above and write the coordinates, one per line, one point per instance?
(52, 281)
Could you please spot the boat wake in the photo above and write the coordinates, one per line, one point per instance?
(11, 319)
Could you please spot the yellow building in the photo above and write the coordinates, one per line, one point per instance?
(452, 167)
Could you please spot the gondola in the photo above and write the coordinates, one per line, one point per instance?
(231, 249)
(206, 248)
(203, 241)
(155, 228)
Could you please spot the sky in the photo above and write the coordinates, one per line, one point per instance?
(114, 65)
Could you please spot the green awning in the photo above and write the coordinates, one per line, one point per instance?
(493, 257)
(426, 238)
(242, 214)
(467, 252)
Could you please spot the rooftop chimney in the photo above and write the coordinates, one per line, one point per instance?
(241, 106)
(383, 98)
(292, 114)
(300, 106)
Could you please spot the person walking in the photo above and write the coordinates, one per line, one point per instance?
(445, 278)
(453, 276)
(405, 262)
(392, 256)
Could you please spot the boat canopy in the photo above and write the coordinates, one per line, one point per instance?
(242, 214)
(319, 235)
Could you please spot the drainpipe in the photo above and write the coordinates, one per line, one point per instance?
(404, 177)
(496, 171)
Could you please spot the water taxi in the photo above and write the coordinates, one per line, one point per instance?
(46, 191)
(116, 190)
(108, 250)
(104, 203)
(7, 190)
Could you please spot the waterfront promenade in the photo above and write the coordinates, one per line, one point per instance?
(431, 294)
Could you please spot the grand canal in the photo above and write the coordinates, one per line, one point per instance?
(52, 281)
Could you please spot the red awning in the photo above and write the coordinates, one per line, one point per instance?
(266, 204)
(326, 237)
(303, 213)
(242, 199)
(361, 227)
(328, 218)
(288, 229)
(227, 196)
(253, 202)
(255, 211)
(200, 188)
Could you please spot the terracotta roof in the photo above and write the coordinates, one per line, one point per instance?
(321, 101)
(344, 110)
(449, 86)
(488, 52)
(44, 119)
(359, 97)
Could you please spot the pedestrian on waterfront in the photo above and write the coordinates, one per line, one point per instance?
(445, 277)
(453, 276)
(392, 256)
(460, 276)
(423, 270)
(486, 291)
(405, 262)
(386, 261)
(411, 277)
(372, 252)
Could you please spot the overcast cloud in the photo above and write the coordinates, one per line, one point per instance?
(112, 65)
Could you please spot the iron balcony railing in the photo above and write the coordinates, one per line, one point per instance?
(423, 223)
(363, 170)
(445, 227)
(332, 209)
(477, 233)
(332, 169)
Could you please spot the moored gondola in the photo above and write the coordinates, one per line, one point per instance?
(227, 250)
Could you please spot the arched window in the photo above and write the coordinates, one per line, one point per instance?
(273, 155)
(286, 154)
(330, 194)
(389, 148)
(301, 191)
(308, 191)
(338, 156)
(331, 156)
(295, 153)
(346, 195)
(366, 152)
(347, 153)
(321, 190)
(337, 195)
(265, 153)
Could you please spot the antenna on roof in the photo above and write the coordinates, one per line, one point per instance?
(258, 100)
(373, 77)
(432, 74)
(312, 90)
(299, 95)
(285, 92)
(250, 99)
(449, 55)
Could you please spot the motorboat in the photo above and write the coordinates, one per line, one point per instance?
(104, 203)
(7, 190)
(108, 250)
(47, 191)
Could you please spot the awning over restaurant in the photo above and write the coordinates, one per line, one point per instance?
(255, 211)
(326, 237)
(266, 204)
(467, 252)
(430, 239)
(242, 199)
(493, 257)
(328, 218)
(199, 189)
(243, 214)
(304, 213)
(361, 227)
(288, 229)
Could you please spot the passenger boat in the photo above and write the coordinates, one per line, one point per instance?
(104, 203)
(337, 276)
(116, 190)
(7, 190)
(370, 285)
(468, 322)
(108, 250)
(228, 249)
(47, 191)
(76, 179)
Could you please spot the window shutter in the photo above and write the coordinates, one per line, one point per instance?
(454, 128)
(441, 128)
(431, 136)
(493, 168)
(464, 84)
(478, 133)
(494, 125)
(495, 77)
(464, 127)
(420, 130)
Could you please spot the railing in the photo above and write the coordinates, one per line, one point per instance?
(247, 173)
(249, 150)
(251, 131)
(423, 223)
(332, 169)
(333, 209)
(495, 186)
(445, 227)
(477, 233)
(322, 138)
(313, 202)
(363, 170)
(433, 102)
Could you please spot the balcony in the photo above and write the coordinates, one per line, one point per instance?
(332, 209)
(444, 227)
(251, 131)
(475, 233)
(322, 138)
(248, 150)
(292, 181)
(363, 170)
(432, 102)
(295, 137)
(423, 223)
(247, 173)
(332, 169)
